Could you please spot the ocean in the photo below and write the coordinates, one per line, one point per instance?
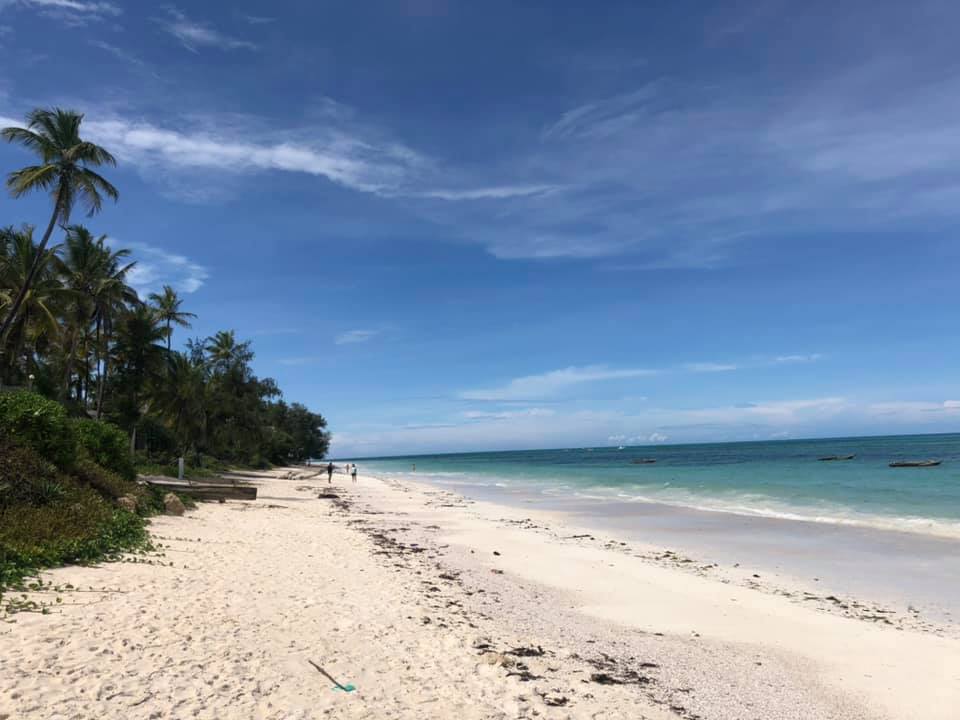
(773, 479)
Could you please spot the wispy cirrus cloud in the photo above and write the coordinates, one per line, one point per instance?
(548, 384)
(790, 359)
(710, 367)
(194, 35)
(489, 193)
(355, 336)
(70, 12)
(157, 267)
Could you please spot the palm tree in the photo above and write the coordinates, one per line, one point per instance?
(37, 319)
(54, 136)
(93, 272)
(181, 400)
(141, 360)
(225, 352)
(168, 310)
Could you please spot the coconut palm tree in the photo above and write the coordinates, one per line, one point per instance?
(141, 361)
(93, 272)
(167, 305)
(64, 171)
(111, 298)
(37, 320)
(181, 400)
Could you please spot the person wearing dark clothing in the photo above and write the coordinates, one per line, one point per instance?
(329, 473)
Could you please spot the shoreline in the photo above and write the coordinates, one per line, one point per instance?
(900, 568)
(420, 597)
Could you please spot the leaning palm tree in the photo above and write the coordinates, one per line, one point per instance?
(37, 321)
(54, 136)
(168, 311)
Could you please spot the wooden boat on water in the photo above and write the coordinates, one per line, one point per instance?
(642, 461)
(915, 463)
(831, 458)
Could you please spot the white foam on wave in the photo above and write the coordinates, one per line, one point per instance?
(746, 504)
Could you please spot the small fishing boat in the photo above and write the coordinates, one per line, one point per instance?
(620, 448)
(831, 458)
(642, 461)
(915, 463)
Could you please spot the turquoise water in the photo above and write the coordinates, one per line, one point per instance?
(772, 479)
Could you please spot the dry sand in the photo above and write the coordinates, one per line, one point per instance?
(436, 607)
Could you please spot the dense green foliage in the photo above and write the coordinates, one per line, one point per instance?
(40, 424)
(49, 517)
(105, 444)
(76, 331)
(78, 337)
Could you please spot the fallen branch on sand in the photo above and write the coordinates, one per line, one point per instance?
(328, 676)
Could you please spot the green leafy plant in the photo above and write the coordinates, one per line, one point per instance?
(40, 424)
(105, 444)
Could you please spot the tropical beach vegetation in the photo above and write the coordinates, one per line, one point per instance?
(92, 386)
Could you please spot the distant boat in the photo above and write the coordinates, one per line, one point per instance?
(642, 461)
(620, 448)
(830, 458)
(915, 463)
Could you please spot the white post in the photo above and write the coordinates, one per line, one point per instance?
(180, 468)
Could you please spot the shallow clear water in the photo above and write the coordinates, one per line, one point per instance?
(781, 479)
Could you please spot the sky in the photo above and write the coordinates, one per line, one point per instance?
(451, 225)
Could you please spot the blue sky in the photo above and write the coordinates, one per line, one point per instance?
(459, 225)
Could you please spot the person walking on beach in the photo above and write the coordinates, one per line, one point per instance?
(353, 472)
(329, 473)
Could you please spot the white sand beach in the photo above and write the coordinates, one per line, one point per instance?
(433, 606)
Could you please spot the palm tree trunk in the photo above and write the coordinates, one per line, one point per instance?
(101, 381)
(169, 335)
(15, 308)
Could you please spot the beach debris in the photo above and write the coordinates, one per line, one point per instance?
(482, 643)
(554, 700)
(328, 676)
(527, 651)
(523, 673)
(172, 505)
(496, 552)
(327, 496)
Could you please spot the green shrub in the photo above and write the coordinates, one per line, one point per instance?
(105, 444)
(26, 478)
(40, 424)
(107, 483)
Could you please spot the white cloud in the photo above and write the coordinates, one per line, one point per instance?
(501, 192)
(658, 437)
(550, 383)
(508, 414)
(193, 35)
(258, 19)
(324, 151)
(355, 336)
(71, 12)
(785, 359)
(118, 53)
(156, 267)
(709, 367)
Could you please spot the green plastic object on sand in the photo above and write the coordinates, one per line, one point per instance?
(336, 685)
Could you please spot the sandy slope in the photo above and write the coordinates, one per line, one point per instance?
(398, 592)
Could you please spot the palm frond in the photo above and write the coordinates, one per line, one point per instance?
(32, 141)
(34, 177)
